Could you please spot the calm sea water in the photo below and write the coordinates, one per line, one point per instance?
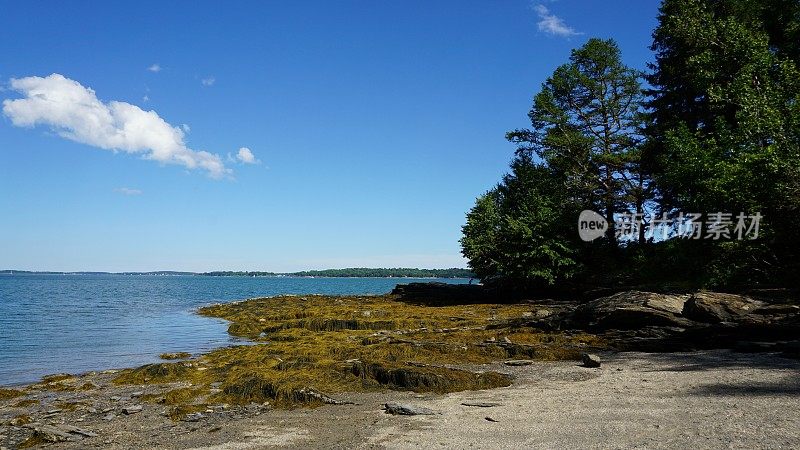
(78, 323)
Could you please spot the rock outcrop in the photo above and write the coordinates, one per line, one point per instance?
(407, 410)
(631, 310)
(715, 307)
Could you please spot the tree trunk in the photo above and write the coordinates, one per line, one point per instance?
(640, 214)
(611, 232)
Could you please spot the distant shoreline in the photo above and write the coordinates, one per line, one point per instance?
(452, 273)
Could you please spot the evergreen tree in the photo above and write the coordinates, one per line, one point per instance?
(725, 129)
(587, 125)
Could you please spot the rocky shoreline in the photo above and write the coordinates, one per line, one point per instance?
(213, 399)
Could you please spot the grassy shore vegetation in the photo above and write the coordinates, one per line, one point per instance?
(6, 394)
(307, 349)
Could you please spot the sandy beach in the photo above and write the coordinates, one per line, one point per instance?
(708, 399)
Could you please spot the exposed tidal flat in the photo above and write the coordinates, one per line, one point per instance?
(322, 371)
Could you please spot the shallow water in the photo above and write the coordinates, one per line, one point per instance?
(78, 323)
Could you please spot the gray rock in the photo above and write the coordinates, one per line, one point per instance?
(590, 360)
(137, 394)
(109, 416)
(133, 409)
(193, 417)
(78, 431)
(406, 409)
(49, 433)
(632, 310)
(115, 398)
(518, 362)
(715, 307)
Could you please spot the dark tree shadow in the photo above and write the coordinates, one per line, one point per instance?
(790, 386)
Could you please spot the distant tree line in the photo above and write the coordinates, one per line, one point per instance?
(359, 272)
(712, 126)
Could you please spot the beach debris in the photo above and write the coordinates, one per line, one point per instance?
(192, 417)
(133, 409)
(590, 360)
(518, 362)
(312, 394)
(481, 404)
(404, 409)
(49, 433)
(58, 433)
(489, 419)
(78, 431)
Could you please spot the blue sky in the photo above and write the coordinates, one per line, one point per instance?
(371, 126)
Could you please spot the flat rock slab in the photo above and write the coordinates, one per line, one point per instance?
(59, 433)
(75, 430)
(518, 362)
(404, 409)
(132, 409)
(632, 310)
(49, 433)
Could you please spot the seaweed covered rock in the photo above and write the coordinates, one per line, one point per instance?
(429, 378)
(154, 373)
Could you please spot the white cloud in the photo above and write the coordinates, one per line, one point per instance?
(75, 113)
(245, 156)
(146, 98)
(208, 81)
(551, 24)
(154, 68)
(128, 191)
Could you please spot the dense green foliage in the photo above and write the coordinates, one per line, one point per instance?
(515, 234)
(717, 131)
(726, 126)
